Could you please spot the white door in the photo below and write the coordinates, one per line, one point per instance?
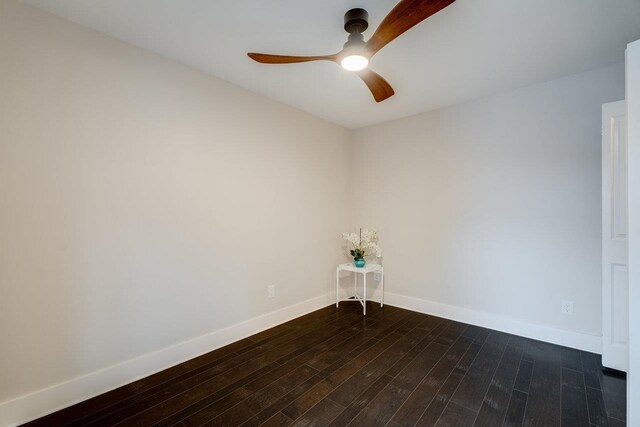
(615, 278)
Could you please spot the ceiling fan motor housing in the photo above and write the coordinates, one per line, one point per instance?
(356, 21)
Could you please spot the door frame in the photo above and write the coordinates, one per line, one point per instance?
(633, 134)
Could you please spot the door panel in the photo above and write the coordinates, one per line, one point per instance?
(615, 278)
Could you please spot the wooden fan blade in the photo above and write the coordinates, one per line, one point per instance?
(404, 16)
(264, 58)
(378, 86)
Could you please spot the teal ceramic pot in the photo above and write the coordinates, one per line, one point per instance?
(359, 262)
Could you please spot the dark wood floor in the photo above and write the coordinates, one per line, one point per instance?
(394, 367)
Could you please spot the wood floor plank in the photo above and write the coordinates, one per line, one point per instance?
(380, 410)
(345, 365)
(614, 382)
(574, 399)
(572, 378)
(324, 360)
(393, 367)
(342, 369)
(450, 334)
(361, 374)
(592, 371)
(616, 423)
(523, 380)
(263, 398)
(543, 402)
(528, 354)
(574, 407)
(308, 400)
(571, 358)
(477, 334)
(547, 363)
(416, 350)
(456, 416)
(615, 404)
(368, 374)
(438, 402)
(473, 387)
(595, 406)
(431, 323)
(278, 420)
(614, 392)
(515, 411)
(320, 414)
(496, 401)
(267, 412)
(347, 415)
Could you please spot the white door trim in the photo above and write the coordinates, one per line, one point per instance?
(633, 133)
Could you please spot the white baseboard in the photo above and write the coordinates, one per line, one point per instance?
(42, 402)
(510, 325)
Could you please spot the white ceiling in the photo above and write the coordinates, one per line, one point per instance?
(471, 49)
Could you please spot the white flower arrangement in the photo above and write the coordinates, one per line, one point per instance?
(362, 242)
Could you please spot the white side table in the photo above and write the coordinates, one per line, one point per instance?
(369, 268)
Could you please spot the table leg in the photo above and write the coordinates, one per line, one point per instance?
(337, 287)
(355, 285)
(364, 296)
(382, 288)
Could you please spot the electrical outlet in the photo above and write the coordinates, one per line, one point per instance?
(567, 307)
(271, 291)
(376, 276)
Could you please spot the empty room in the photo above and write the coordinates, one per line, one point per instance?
(320, 213)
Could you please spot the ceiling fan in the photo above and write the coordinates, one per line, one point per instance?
(356, 53)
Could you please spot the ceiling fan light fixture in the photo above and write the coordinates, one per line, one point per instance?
(354, 53)
(354, 62)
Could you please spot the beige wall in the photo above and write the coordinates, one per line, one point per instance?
(494, 205)
(143, 203)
